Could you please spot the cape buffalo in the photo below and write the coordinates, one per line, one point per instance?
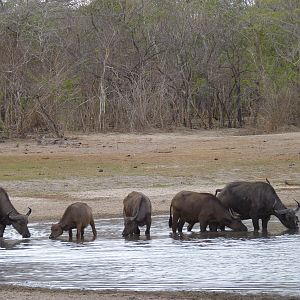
(137, 212)
(205, 208)
(10, 216)
(257, 200)
(77, 215)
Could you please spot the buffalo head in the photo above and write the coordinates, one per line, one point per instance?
(56, 231)
(19, 222)
(237, 225)
(288, 216)
(129, 226)
(234, 222)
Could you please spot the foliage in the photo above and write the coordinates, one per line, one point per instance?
(133, 65)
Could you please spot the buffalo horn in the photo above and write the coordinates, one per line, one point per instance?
(286, 210)
(279, 211)
(13, 218)
(135, 216)
(9, 214)
(282, 211)
(234, 214)
(29, 211)
(298, 207)
(132, 218)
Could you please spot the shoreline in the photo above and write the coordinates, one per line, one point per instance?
(9, 291)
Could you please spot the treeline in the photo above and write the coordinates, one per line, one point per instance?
(131, 65)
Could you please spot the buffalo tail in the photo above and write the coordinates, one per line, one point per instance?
(170, 219)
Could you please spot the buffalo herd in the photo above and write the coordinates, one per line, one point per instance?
(237, 201)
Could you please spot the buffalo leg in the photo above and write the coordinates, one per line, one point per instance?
(70, 235)
(180, 225)
(78, 234)
(2, 228)
(222, 227)
(213, 227)
(82, 233)
(147, 232)
(265, 221)
(137, 230)
(175, 221)
(203, 225)
(255, 224)
(92, 223)
(190, 226)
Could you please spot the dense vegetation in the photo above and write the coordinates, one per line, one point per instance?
(130, 65)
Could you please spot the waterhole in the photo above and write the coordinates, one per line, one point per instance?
(223, 261)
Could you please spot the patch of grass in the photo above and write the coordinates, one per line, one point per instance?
(35, 167)
(30, 167)
(161, 185)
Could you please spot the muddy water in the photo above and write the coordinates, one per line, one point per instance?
(219, 262)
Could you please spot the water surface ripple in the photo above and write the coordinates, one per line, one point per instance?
(240, 262)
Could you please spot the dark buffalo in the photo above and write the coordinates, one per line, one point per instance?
(257, 200)
(137, 212)
(10, 216)
(77, 216)
(205, 208)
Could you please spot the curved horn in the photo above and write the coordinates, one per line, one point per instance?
(298, 207)
(139, 201)
(282, 211)
(9, 214)
(13, 218)
(29, 211)
(268, 181)
(234, 214)
(134, 217)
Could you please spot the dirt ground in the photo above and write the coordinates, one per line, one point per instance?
(48, 174)
(8, 292)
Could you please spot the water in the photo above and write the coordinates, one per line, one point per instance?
(239, 262)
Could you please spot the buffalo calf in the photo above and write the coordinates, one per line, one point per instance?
(77, 216)
(137, 212)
